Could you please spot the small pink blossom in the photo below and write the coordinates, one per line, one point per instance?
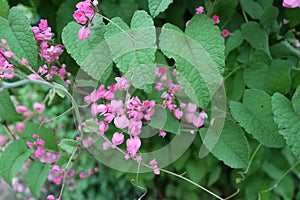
(122, 83)
(43, 25)
(121, 122)
(84, 33)
(21, 109)
(191, 107)
(198, 121)
(20, 126)
(2, 139)
(216, 19)
(50, 197)
(177, 113)
(133, 145)
(24, 61)
(30, 145)
(33, 77)
(96, 169)
(153, 162)
(95, 2)
(225, 33)
(87, 142)
(199, 10)
(291, 3)
(106, 145)
(102, 128)
(40, 142)
(285, 21)
(138, 159)
(162, 133)
(90, 172)
(82, 175)
(118, 138)
(39, 107)
(156, 171)
(159, 86)
(56, 168)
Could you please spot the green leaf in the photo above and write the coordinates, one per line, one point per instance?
(91, 54)
(45, 134)
(4, 8)
(123, 9)
(296, 100)
(198, 61)
(256, 36)
(158, 6)
(269, 19)
(273, 77)
(288, 122)
(37, 174)
(253, 8)
(135, 50)
(8, 111)
(284, 49)
(256, 117)
(64, 14)
(159, 118)
(172, 124)
(141, 75)
(17, 31)
(232, 146)
(12, 159)
(234, 41)
(235, 86)
(68, 145)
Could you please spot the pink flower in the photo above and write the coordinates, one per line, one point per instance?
(43, 25)
(80, 17)
(21, 109)
(39, 152)
(291, 3)
(87, 142)
(84, 33)
(159, 86)
(109, 117)
(225, 33)
(191, 107)
(198, 121)
(138, 159)
(162, 133)
(285, 21)
(189, 117)
(106, 145)
(122, 83)
(90, 172)
(199, 10)
(135, 127)
(118, 138)
(50, 197)
(93, 97)
(216, 19)
(40, 142)
(2, 139)
(153, 162)
(56, 168)
(121, 122)
(156, 171)
(96, 169)
(38, 107)
(177, 113)
(24, 61)
(33, 77)
(82, 175)
(102, 128)
(133, 145)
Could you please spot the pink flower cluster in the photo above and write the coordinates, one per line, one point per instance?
(43, 35)
(126, 115)
(169, 100)
(49, 52)
(84, 15)
(38, 145)
(291, 3)
(215, 18)
(6, 68)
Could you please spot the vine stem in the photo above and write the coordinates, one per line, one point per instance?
(280, 179)
(192, 182)
(211, 9)
(65, 172)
